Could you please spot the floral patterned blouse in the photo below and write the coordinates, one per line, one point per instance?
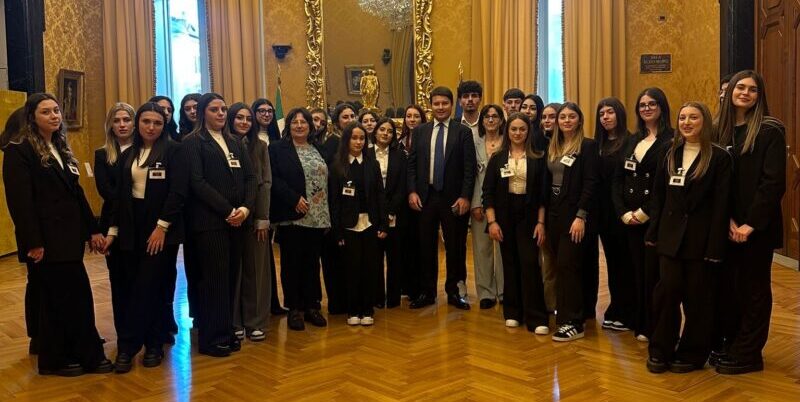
(316, 173)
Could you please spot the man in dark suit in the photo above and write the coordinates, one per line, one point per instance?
(441, 176)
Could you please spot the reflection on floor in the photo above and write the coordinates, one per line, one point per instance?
(435, 353)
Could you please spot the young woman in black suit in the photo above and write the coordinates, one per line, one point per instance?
(758, 146)
(369, 120)
(631, 193)
(119, 137)
(299, 207)
(52, 222)
(171, 126)
(251, 302)
(514, 200)
(223, 194)
(413, 117)
(392, 162)
(151, 192)
(689, 230)
(572, 164)
(611, 133)
(358, 220)
(188, 115)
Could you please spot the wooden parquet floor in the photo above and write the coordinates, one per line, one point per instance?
(437, 353)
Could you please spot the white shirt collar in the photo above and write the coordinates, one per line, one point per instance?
(359, 158)
(467, 123)
(446, 123)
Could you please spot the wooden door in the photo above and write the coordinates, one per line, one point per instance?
(777, 39)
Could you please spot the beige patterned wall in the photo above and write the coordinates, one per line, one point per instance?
(691, 34)
(285, 23)
(74, 41)
(451, 22)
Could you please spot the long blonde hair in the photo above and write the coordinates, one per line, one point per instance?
(111, 145)
(754, 118)
(707, 134)
(558, 144)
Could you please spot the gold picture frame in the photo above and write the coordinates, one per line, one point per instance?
(71, 97)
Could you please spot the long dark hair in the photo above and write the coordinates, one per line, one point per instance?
(423, 119)
(530, 144)
(13, 129)
(323, 129)
(287, 129)
(664, 125)
(171, 127)
(341, 163)
(754, 118)
(273, 132)
(158, 146)
(185, 126)
(29, 131)
(381, 121)
(230, 119)
(202, 105)
(484, 112)
(606, 145)
(337, 111)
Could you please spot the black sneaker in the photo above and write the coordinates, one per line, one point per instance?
(619, 326)
(656, 365)
(568, 332)
(295, 321)
(607, 324)
(315, 318)
(715, 357)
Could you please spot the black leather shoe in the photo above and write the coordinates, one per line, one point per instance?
(680, 367)
(70, 370)
(296, 321)
(315, 318)
(730, 365)
(656, 365)
(123, 363)
(236, 345)
(459, 302)
(104, 367)
(33, 348)
(487, 303)
(217, 351)
(152, 357)
(278, 310)
(715, 357)
(422, 301)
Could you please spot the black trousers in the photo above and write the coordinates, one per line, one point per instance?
(168, 290)
(32, 302)
(748, 317)
(590, 276)
(66, 317)
(523, 289)
(360, 257)
(334, 275)
(570, 257)
(621, 283)
(387, 289)
(411, 274)
(646, 274)
(300, 253)
(218, 256)
(688, 283)
(436, 211)
(116, 279)
(191, 271)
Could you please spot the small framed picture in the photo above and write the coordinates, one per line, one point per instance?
(352, 77)
(70, 97)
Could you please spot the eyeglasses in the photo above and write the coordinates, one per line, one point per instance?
(265, 111)
(652, 105)
(491, 117)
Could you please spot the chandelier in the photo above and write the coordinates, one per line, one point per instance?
(395, 13)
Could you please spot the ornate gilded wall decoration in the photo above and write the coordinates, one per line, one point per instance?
(315, 82)
(423, 52)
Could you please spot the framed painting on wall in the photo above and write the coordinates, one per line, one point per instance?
(352, 77)
(71, 97)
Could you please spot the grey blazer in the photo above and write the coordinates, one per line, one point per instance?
(482, 162)
(259, 156)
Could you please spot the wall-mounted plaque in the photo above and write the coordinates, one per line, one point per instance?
(655, 63)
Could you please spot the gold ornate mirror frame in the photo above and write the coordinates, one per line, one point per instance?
(423, 53)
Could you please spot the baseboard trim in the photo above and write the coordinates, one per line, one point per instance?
(785, 261)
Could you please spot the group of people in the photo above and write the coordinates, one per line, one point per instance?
(686, 217)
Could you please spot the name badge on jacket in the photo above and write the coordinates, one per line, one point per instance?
(677, 180)
(74, 169)
(506, 172)
(349, 190)
(630, 164)
(233, 162)
(568, 160)
(157, 172)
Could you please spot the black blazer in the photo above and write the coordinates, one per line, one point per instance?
(106, 178)
(459, 162)
(609, 220)
(328, 147)
(163, 198)
(578, 187)
(691, 222)
(288, 180)
(216, 188)
(633, 190)
(47, 205)
(396, 177)
(495, 190)
(344, 209)
(759, 182)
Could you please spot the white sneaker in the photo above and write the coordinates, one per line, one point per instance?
(257, 335)
(619, 326)
(367, 321)
(567, 332)
(239, 334)
(641, 338)
(353, 320)
(541, 330)
(512, 323)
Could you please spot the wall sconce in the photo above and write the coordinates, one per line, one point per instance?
(281, 51)
(387, 56)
